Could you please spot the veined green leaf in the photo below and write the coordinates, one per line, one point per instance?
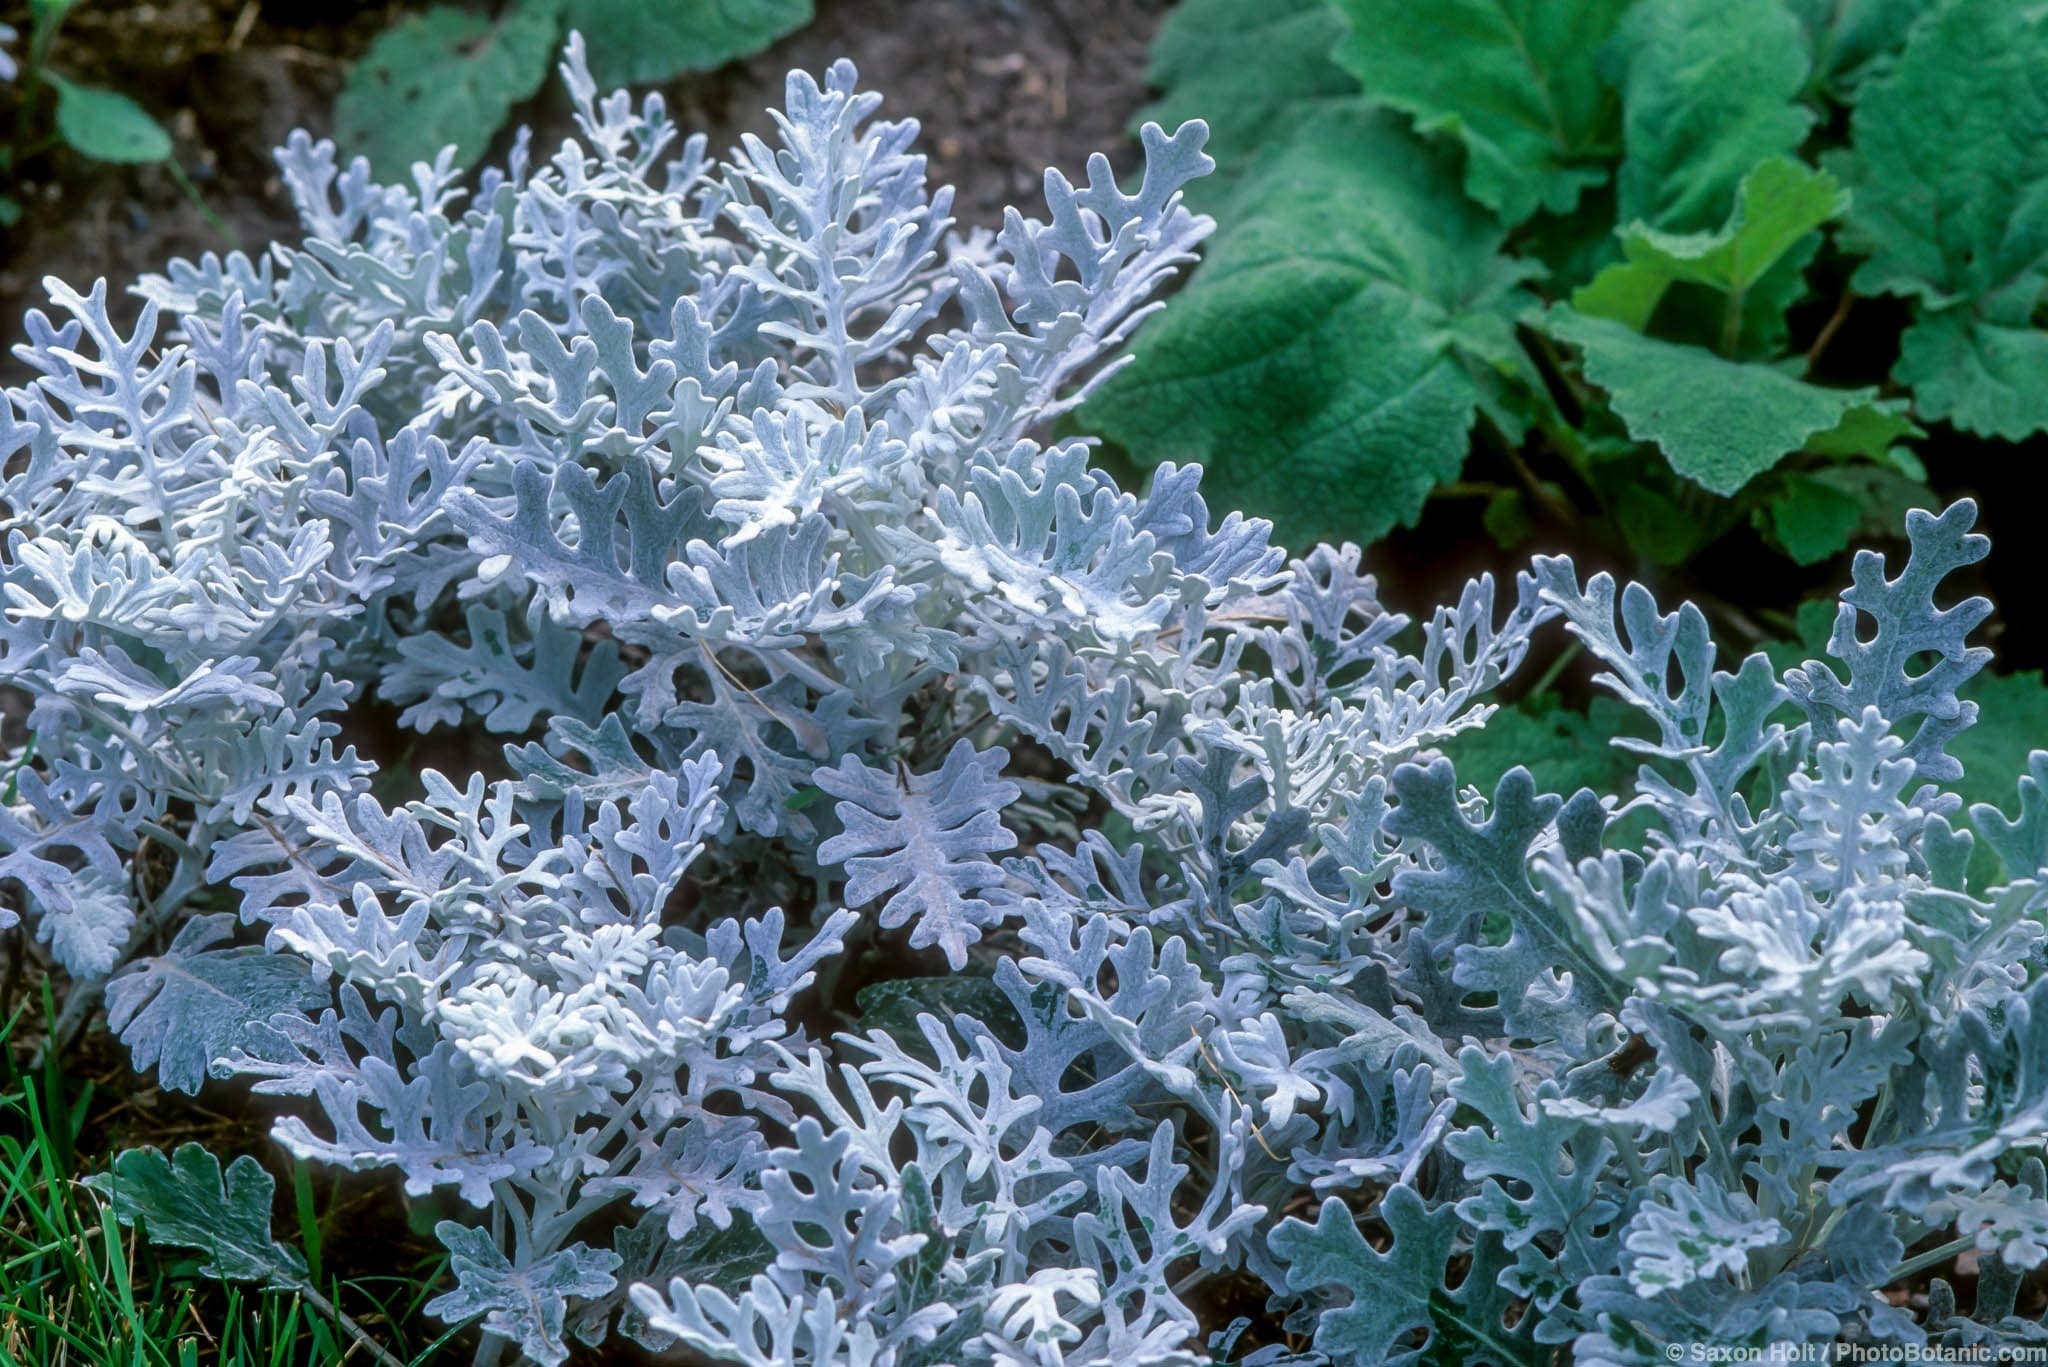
(1709, 90)
(1779, 204)
(1254, 69)
(1950, 172)
(1720, 423)
(1814, 519)
(106, 125)
(1851, 42)
(1514, 80)
(444, 76)
(635, 41)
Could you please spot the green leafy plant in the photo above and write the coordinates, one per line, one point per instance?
(51, 108)
(1613, 243)
(75, 1287)
(450, 75)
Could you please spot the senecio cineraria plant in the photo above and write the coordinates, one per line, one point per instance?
(725, 491)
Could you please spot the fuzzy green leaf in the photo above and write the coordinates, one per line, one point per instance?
(1850, 42)
(1564, 749)
(185, 1202)
(2012, 721)
(1708, 90)
(1950, 173)
(1869, 430)
(1779, 204)
(1328, 360)
(1254, 69)
(1514, 80)
(106, 125)
(1660, 528)
(636, 41)
(443, 77)
(1720, 423)
(1814, 519)
(1983, 376)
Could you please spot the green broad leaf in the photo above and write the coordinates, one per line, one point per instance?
(1506, 518)
(1253, 69)
(106, 125)
(1709, 89)
(893, 1006)
(1562, 748)
(1720, 423)
(633, 42)
(1983, 376)
(1950, 168)
(1514, 80)
(1848, 43)
(2012, 720)
(444, 77)
(1779, 205)
(1813, 519)
(184, 1201)
(1869, 430)
(1328, 360)
(1660, 528)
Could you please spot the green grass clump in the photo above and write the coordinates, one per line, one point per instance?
(79, 1290)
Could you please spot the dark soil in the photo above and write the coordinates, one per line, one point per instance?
(229, 80)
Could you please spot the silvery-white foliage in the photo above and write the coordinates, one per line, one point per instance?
(725, 494)
(1722, 1083)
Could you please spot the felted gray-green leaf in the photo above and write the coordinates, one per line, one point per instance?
(184, 1201)
(195, 1003)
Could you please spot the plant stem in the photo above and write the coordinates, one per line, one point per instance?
(311, 1295)
(1557, 667)
(1828, 331)
(1933, 1257)
(214, 220)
